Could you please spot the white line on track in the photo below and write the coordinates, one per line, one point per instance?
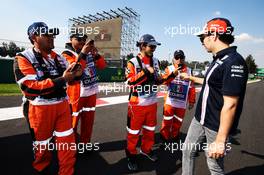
(16, 112)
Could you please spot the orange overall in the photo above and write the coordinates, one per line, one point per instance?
(142, 106)
(48, 111)
(82, 96)
(179, 92)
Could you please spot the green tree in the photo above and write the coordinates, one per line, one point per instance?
(10, 49)
(3, 52)
(206, 63)
(252, 67)
(164, 64)
(129, 56)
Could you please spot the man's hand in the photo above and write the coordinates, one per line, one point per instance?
(88, 47)
(70, 75)
(176, 71)
(185, 76)
(216, 149)
(94, 51)
(226, 120)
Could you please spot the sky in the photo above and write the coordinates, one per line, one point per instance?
(161, 18)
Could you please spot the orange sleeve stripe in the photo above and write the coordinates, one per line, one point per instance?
(167, 77)
(70, 59)
(33, 87)
(38, 87)
(133, 78)
(24, 66)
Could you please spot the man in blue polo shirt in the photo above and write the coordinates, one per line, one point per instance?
(221, 99)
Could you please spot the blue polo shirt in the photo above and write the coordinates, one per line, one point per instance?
(226, 76)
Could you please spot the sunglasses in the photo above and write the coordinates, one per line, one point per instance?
(178, 58)
(203, 37)
(48, 35)
(152, 46)
(79, 39)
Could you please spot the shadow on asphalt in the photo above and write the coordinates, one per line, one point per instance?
(250, 170)
(254, 170)
(17, 156)
(253, 154)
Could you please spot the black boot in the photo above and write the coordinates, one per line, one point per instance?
(132, 164)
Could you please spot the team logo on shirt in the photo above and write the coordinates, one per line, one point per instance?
(237, 70)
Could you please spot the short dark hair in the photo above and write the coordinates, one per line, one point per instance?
(140, 45)
(32, 42)
(226, 38)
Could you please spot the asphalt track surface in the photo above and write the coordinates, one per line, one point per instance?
(245, 158)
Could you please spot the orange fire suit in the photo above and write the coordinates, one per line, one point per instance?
(142, 106)
(179, 93)
(82, 93)
(49, 116)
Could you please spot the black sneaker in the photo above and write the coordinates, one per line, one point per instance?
(151, 155)
(132, 164)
